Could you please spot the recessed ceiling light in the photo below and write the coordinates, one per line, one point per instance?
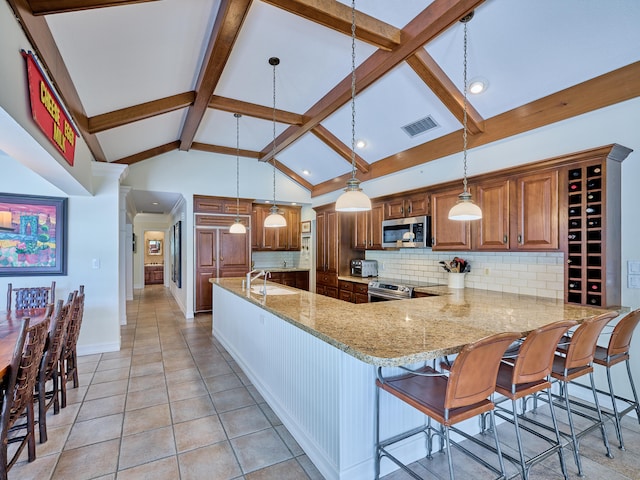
(361, 144)
(267, 201)
(294, 203)
(155, 203)
(478, 85)
(306, 172)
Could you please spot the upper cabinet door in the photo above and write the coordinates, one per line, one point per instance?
(448, 234)
(537, 221)
(492, 231)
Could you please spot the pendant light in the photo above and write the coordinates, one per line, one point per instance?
(465, 209)
(353, 199)
(237, 227)
(274, 220)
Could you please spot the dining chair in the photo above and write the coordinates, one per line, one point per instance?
(17, 395)
(574, 359)
(31, 297)
(447, 397)
(68, 357)
(525, 371)
(49, 371)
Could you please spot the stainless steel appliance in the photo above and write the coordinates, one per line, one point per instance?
(364, 268)
(381, 291)
(412, 232)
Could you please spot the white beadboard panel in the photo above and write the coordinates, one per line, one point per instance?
(323, 396)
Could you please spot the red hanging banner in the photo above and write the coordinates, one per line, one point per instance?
(47, 112)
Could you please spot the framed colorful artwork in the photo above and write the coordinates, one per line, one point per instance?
(33, 235)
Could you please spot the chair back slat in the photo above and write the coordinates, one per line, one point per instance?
(31, 297)
(474, 371)
(620, 341)
(535, 357)
(583, 342)
(75, 322)
(27, 369)
(55, 341)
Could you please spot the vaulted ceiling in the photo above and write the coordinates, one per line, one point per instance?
(144, 77)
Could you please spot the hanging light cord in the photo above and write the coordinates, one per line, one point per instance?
(464, 111)
(274, 62)
(237, 115)
(353, 89)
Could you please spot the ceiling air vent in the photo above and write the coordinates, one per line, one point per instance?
(420, 126)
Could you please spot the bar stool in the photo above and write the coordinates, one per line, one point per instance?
(526, 372)
(573, 359)
(447, 397)
(614, 353)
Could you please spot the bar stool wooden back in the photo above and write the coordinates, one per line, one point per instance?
(447, 397)
(17, 396)
(526, 372)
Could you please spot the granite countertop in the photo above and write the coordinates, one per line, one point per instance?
(402, 332)
(283, 269)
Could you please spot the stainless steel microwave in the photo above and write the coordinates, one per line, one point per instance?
(413, 232)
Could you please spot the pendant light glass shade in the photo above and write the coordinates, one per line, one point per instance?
(274, 220)
(237, 226)
(465, 209)
(353, 199)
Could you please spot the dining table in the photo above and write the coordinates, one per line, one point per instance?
(10, 323)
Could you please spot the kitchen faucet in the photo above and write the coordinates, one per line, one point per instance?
(261, 273)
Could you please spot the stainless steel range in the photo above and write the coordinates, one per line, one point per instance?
(381, 291)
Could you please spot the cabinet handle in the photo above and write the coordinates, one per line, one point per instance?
(409, 208)
(222, 259)
(505, 239)
(402, 210)
(519, 238)
(433, 241)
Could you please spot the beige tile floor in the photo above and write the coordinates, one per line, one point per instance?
(172, 404)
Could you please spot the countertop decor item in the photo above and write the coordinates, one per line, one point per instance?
(457, 265)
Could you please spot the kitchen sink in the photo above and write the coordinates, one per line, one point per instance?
(272, 290)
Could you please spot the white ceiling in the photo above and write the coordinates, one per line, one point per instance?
(123, 56)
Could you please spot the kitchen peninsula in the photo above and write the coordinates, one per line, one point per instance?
(313, 358)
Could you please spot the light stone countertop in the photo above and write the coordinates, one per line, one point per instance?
(402, 332)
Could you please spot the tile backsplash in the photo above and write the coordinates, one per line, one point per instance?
(277, 259)
(530, 273)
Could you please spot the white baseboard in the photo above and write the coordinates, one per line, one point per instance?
(98, 348)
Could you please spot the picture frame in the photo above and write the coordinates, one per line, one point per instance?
(33, 235)
(154, 247)
(176, 254)
(305, 227)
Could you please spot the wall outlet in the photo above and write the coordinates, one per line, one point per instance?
(486, 271)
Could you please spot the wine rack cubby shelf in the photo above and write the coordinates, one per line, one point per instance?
(593, 267)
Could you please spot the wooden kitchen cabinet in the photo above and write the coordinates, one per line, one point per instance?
(448, 234)
(593, 228)
(220, 205)
(218, 254)
(411, 205)
(367, 228)
(354, 292)
(275, 239)
(537, 211)
(154, 274)
(492, 230)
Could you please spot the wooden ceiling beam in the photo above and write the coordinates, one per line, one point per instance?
(206, 147)
(254, 110)
(231, 15)
(152, 152)
(46, 7)
(340, 148)
(37, 31)
(293, 175)
(124, 116)
(337, 16)
(441, 85)
(600, 92)
(430, 23)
